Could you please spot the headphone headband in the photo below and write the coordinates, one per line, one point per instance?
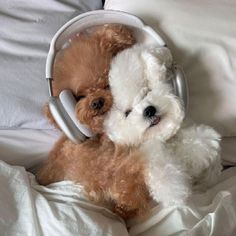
(94, 18)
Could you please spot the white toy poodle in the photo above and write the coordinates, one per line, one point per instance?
(147, 115)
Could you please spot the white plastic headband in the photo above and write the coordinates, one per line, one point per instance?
(143, 33)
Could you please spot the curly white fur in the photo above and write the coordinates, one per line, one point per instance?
(167, 180)
(133, 75)
(197, 148)
(178, 157)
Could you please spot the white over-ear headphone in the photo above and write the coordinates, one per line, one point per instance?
(63, 107)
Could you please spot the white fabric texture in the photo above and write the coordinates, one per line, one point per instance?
(28, 209)
(26, 147)
(26, 30)
(60, 209)
(212, 213)
(202, 37)
(228, 153)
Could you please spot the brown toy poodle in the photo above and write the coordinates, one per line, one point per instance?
(83, 67)
(111, 174)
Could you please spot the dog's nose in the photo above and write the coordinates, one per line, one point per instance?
(98, 103)
(149, 112)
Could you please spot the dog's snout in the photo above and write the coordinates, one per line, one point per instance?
(98, 103)
(149, 112)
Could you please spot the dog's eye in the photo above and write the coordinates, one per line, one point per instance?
(107, 87)
(127, 113)
(78, 98)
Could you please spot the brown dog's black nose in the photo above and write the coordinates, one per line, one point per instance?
(97, 103)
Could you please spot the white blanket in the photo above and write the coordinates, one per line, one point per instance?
(212, 213)
(60, 209)
(27, 209)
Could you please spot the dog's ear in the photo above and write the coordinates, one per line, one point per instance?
(116, 37)
(157, 61)
(48, 115)
(163, 55)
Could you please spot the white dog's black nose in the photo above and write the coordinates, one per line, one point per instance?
(149, 112)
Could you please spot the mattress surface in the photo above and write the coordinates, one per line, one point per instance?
(28, 147)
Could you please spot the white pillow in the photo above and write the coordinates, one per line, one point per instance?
(26, 30)
(202, 37)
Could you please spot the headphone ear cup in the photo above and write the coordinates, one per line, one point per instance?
(181, 87)
(68, 102)
(64, 121)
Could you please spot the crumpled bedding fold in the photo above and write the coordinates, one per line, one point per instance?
(27, 208)
(210, 213)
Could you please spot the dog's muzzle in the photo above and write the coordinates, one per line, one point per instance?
(151, 114)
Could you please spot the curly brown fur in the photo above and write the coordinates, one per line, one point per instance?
(83, 66)
(109, 173)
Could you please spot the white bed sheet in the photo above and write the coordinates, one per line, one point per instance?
(28, 209)
(229, 150)
(212, 213)
(26, 147)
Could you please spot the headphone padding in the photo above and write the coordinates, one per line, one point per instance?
(64, 121)
(68, 102)
(181, 87)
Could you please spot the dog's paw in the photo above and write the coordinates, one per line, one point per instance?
(208, 177)
(198, 148)
(169, 185)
